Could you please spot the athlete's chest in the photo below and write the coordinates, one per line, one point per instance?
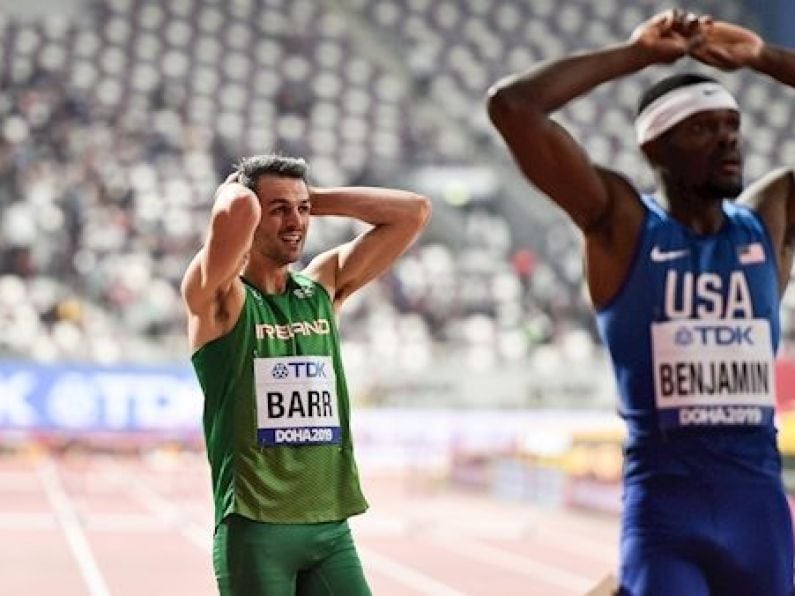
(297, 396)
(291, 324)
(713, 327)
(732, 276)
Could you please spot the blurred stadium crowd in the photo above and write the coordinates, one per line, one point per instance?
(118, 121)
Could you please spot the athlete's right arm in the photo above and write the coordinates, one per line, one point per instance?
(602, 203)
(212, 294)
(520, 105)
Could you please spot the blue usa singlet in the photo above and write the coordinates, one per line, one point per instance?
(692, 335)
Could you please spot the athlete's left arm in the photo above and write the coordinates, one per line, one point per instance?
(729, 47)
(397, 217)
(773, 198)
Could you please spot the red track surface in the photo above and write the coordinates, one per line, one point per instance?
(97, 525)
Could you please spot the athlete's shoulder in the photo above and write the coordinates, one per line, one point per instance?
(745, 216)
(652, 206)
(735, 209)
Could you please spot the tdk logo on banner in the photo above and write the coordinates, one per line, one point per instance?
(300, 370)
(714, 335)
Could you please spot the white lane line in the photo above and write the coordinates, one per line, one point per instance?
(122, 522)
(18, 482)
(162, 507)
(549, 574)
(578, 524)
(379, 525)
(70, 524)
(382, 525)
(484, 529)
(25, 520)
(173, 516)
(602, 551)
(405, 575)
(197, 534)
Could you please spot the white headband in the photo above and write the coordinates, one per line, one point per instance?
(673, 107)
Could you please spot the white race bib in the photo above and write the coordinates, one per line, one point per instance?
(296, 401)
(713, 372)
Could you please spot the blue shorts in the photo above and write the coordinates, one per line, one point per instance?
(681, 537)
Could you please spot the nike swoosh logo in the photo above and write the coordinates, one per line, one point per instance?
(661, 256)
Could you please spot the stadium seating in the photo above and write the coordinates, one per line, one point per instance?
(115, 128)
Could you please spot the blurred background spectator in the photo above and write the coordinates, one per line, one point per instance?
(118, 118)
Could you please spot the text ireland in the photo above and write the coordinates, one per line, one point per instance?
(306, 328)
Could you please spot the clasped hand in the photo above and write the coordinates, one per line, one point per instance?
(675, 33)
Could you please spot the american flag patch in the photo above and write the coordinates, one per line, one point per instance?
(751, 253)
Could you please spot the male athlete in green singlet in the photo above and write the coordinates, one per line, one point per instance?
(266, 352)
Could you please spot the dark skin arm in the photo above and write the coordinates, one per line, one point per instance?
(773, 198)
(730, 47)
(601, 202)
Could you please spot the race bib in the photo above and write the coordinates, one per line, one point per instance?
(713, 372)
(296, 401)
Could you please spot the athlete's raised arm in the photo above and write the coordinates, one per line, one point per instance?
(520, 105)
(208, 286)
(601, 202)
(729, 47)
(397, 217)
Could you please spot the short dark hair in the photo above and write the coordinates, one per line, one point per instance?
(667, 84)
(251, 168)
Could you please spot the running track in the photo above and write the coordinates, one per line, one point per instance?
(99, 525)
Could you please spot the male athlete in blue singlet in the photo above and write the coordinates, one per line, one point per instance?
(686, 286)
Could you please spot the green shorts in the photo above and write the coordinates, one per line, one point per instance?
(262, 559)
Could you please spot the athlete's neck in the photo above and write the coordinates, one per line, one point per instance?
(700, 215)
(267, 279)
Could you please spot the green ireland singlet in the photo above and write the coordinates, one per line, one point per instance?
(276, 412)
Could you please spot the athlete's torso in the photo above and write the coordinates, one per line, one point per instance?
(277, 414)
(692, 336)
